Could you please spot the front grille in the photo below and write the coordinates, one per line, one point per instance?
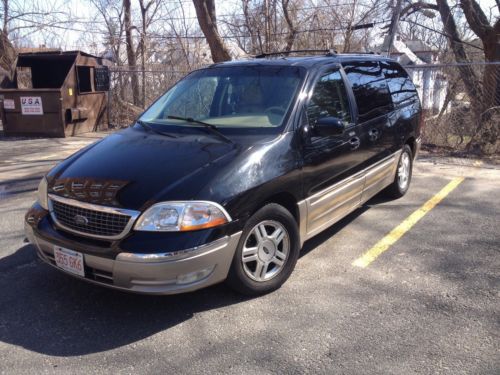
(88, 221)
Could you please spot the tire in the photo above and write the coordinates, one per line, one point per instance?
(254, 271)
(400, 185)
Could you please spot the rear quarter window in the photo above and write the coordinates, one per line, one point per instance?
(400, 85)
(370, 89)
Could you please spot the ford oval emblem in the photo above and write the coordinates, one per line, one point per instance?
(80, 220)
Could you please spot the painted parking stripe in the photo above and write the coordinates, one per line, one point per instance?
(398, 232)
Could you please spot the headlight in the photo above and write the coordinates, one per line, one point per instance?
(42, 194)
(182, 216)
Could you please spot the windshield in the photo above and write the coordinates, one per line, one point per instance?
(232, 97)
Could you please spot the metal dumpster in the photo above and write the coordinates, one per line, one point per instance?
(55, 94)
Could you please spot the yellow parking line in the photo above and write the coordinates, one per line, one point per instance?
(405, 226)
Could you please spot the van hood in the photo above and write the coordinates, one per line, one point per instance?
(134, 168)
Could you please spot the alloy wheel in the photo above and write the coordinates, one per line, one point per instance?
(265, 251)
(404, 171)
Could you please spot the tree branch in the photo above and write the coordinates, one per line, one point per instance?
(415, 7)
(476, 18)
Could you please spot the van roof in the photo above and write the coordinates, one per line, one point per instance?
(305, 61)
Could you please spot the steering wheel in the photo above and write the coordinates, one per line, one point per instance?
(275, 110)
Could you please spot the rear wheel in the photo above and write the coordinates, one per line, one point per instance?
(402, 179)
(267, 252)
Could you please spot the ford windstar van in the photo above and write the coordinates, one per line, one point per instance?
(228, 173)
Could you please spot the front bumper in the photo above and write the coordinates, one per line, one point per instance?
(167, 273)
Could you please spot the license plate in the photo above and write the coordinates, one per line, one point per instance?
(69, 260)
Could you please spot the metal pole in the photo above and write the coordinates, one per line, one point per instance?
(393, 28)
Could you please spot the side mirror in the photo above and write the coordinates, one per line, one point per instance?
(326, 126)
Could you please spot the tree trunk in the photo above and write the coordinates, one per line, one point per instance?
(292, 31)
(249, 26)
(491, 77)
(469, 77)
(205, 12)
(143, 54)
(450, 93)
(131, 57)
(6, 17)
(145, 6)
(8, 56)
(267, 26)
(348, 33)
(490, 37)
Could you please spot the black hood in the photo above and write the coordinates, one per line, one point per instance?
(135, 168)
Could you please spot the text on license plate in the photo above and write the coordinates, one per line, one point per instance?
(69, 260)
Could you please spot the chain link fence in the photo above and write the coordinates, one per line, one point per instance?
(461, 105)
(460, 115)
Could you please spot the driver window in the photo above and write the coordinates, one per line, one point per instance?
(329, 99)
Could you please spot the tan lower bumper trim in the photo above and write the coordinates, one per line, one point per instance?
(167, 275)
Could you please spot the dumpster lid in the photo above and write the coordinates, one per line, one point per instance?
(56, 53)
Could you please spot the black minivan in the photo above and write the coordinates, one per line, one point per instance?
(228, 173)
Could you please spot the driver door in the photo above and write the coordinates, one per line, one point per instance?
(329, 169)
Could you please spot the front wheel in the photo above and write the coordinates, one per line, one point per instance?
(402, 179)
(267, 252)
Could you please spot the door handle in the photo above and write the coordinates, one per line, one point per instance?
(354, 142)
(373, 134)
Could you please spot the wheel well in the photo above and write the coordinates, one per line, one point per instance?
(411, 142)
(286, 200)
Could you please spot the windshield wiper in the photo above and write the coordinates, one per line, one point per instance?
(151, 129)
(208, 126)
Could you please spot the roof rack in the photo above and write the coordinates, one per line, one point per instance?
(362, 53)
(326, 52)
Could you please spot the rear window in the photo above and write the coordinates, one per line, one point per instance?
(400, 85)
(370, 89)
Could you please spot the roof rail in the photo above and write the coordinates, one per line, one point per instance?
(327, 52)
(361, 53)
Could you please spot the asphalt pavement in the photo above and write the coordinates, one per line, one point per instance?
(429, 304)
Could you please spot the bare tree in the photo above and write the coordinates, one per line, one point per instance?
(292, 30)
(490, 37)
(483, 91)
(8, 54)
(8, 57)
(273, 25)
(479, 24)
(111, 12)
(131, 53)
(148, 10)
(205, 11)
(178, 30)
(45, 20)
(6, 17)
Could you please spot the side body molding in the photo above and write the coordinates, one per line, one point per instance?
(323, 209)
